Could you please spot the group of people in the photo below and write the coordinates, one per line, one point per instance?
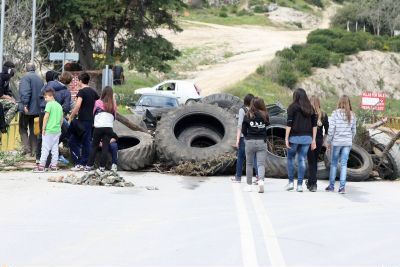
(61, 119)
(307, 131)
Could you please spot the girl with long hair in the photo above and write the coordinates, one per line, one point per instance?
(105, 110)
(301, 131)
(341, 132)
(312, 156)
(255, 133)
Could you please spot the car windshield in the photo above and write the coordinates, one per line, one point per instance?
(157, 101)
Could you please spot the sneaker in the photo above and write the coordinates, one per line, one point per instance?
(77, 168)
(261, 186)
(114, 168)
(299, 188)
(289, 186)
(248, 188)
(39, 168)
(87, 169)
(53, 169)
(233, 179)
(342, 190)
(313, 188)
(330, 189)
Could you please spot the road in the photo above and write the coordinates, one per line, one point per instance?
(194, 221)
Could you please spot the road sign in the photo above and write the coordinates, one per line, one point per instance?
(375, 101)
(64, 56)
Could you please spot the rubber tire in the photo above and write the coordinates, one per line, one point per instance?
(226, 101)
(188, 135)
(171, 150)
(379, 137)
(137, 156)
(360, 174)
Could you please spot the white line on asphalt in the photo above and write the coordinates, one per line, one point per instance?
(270, 237)
(246, 233)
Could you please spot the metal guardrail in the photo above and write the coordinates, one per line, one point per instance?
(11, 140)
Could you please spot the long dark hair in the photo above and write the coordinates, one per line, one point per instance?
(300, 99)
(107, 96)
(257, 105)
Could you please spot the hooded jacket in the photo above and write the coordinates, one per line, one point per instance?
(63, 95)
(301, 124)
(29, 92)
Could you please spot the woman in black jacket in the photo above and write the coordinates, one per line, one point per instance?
(255, 134)
(312, 156)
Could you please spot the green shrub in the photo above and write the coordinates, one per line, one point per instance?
(287, 78)
(332, 33)
(259, 9)
(303, 66)
(223, 14)
(234, 9)
(224, 8)
(394, 44)
(261, 70)
(337, 58)
(297, 48)
(287, 53)
(317, 55)
(346, 46)
(324, 40)
(244, 12)
(317, 3)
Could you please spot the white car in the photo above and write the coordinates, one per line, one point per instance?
(186, 92)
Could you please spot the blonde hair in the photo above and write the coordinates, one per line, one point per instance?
(314, 100)
(345, 105)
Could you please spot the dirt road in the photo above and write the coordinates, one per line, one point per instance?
(251, 46)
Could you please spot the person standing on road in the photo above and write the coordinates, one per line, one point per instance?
(7, 100)
(105, 112)
(301, 131)
(240, 144)
(52, 122)
(312, 156)
(255, 133)
(80, 145)
(30, 87)
(341, 132)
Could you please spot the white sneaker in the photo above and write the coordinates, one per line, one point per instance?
(261, 186)
(114, 167)
(299, 188)
(289, 187)
(248, 188)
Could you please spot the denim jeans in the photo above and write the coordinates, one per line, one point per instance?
(241, 156)
(80, 147)
(342, 152)
(301, 151)
(113, 149)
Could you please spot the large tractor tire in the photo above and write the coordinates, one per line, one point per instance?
(201, 147)
(135, 150)
(389, 167)
(226, 101)
(359, 165)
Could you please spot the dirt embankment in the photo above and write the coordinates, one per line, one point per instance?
(250, 46)
(373, 71)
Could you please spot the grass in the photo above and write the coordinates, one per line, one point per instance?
(210, 16)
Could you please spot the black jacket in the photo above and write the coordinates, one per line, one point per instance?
(301, 124)
(254, 128)
(5, 84)
(63, 96)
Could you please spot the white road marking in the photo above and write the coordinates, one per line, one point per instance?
(246, 233)
(270, 237)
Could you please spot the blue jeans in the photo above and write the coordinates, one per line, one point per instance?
(241, 156)
(301, 150)
(80, 147)
(113, 149)
(342, 152)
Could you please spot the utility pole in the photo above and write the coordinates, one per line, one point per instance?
(33, 30)
(3, 9)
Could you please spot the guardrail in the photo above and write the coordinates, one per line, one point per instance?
(11, 139)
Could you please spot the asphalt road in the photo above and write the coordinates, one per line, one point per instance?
(195, 222)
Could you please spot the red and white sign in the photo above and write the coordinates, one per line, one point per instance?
(375, 101)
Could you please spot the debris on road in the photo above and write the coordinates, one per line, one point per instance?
(108, 178)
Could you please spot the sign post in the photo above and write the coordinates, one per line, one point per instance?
(62, 56)
(375, 101)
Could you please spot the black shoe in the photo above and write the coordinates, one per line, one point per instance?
(313, 188)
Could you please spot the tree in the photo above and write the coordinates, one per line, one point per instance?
(87, 22)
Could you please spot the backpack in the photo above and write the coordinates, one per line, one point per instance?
(3, 125)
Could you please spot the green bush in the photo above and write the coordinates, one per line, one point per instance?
(287, 78)
(297, 48)
(223, 14)
(332, 33)
(394, 44)
(345, 46)
(224, 8)
(303, 66)
(287, 53)
(324, 40)
(337, 58)
(317, 55)
(244, 12)
(259, 9)
(261, 70)
(234, 9)
(317, 3)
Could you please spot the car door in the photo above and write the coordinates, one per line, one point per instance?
(167, 89)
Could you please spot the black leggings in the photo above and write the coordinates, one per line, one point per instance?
(103, 135)
(312, 157)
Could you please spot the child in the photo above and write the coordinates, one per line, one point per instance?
(51, 132)
(340, 140)
(104, 111)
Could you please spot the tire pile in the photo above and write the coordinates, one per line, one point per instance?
(199, 139)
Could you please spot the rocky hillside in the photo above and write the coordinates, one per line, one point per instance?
(367, 71)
